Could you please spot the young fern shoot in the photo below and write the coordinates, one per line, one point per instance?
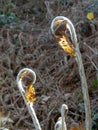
(25, 80)
(61, 124)
(59, 26)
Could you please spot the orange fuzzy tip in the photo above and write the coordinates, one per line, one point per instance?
(57, 22)
(66, 45)
(23, 73)
(30, 94)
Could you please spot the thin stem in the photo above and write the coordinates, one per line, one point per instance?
(61, 124)
(70, 27)
(92, 63)
(78, 57)
(64, 110)
(34, 117)
(22, 91)
(88, 120)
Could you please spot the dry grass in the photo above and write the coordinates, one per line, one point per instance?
(33, 46)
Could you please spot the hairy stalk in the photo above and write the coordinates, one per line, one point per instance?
(76, 53)
(61, 124)
(22, 73)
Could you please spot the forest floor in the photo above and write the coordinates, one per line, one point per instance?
(29, 43)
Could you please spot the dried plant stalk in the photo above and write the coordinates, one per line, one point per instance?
(77, 55)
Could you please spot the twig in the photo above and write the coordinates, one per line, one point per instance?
(49, 10)
(95, 52)
(93, 63)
